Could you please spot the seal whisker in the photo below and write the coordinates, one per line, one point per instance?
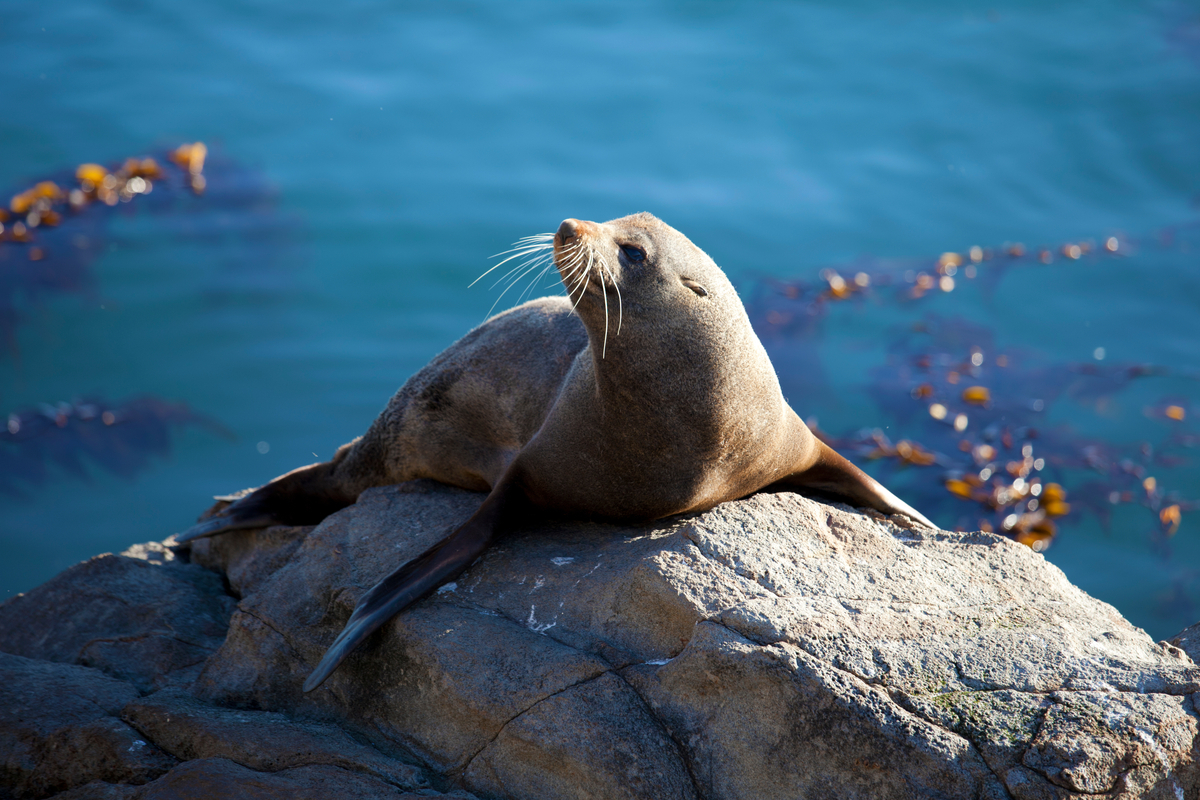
(570, 276)
(620, 306)
(585, 275)
(537, 279)
(570, 271)
(537, 269)
(523, 268)
(502, 263)
(526, 241)
(514, 275)
(604, 293)
(567, 272)
(577, 276)
(517, 251)
(581, 282)
(542, 251)
(580, 286)
(524, 246)
(572, 265)
(528, 266)
(569, 255)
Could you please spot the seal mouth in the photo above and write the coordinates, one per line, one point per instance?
(580, 265)
(583, 266)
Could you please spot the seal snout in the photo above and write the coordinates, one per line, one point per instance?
(568, 229)
(572, 228)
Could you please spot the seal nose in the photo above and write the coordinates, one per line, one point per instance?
(568, 230)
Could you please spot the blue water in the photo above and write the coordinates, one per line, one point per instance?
(406, 144)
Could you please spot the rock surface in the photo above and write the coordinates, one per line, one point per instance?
(772, 647)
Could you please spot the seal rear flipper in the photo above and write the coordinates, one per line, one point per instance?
(304, 496)
(412, 581)
(223, 523)
(835, 476)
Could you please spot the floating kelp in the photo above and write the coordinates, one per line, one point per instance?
(47, 204)
(975, 422)
(976, 446)
(53, 230)
(795, 307)
(120, 438)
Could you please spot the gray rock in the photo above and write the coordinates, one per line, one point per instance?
(772, 647)
(786, 647)
(211, 778)
(60, 729)
(593, 739)
(772, 721)
(1188, 640)
(99, 790)
(147, 619)
(251, 556)
(259, 740)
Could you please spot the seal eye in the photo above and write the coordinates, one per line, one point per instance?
(633, 253)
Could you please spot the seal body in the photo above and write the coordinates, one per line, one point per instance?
(641, 394)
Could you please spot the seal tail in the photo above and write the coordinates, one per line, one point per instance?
(832, 474)
(304, 496)
(412, 581)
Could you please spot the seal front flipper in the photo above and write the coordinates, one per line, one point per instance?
(417, 578)
(832, 474)
(304, 496)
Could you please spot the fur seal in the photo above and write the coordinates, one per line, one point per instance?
(641, 394)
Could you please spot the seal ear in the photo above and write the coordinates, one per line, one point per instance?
(695, 287)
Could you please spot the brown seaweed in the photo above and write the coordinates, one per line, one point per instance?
(977, 448)
(981, 415)
(52, 231)
(119, 438)
(796, 307)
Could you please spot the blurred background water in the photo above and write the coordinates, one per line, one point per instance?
(368, 159)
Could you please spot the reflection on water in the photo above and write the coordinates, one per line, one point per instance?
(363, 163)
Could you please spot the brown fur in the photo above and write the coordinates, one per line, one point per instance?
(652, 397)
(464, 417)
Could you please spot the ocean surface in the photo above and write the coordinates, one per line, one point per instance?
(367, 159)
